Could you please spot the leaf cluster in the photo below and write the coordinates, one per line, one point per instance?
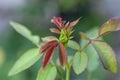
(88, 51)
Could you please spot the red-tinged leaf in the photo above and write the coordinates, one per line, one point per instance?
(54, 30)
(49, 38)
(110, 26)
(46, 46)
(62, 54)
(48, 56)
(58, 22)
(66, 25)
(107, 55)
(72, 24)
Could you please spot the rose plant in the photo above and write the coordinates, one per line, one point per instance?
(81, 59)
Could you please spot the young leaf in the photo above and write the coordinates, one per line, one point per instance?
(72, 44)
(49, 38)
(49, 73)
(25, 61)
(106, 55)
(48, 56)
(72, 24)
(69, 61)
(54, 30)
(110, 26)
(62, 54)
(80, 61)
(21, 29)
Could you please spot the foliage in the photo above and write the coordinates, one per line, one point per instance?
(79, 61)
(49, 74)
(25, 61)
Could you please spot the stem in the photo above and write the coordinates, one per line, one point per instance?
(85, 46)
(59, 73)
(61, 76)
(67, 72)
(97, 37)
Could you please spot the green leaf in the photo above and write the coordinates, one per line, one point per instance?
(49, 73)
(106, 55)
(80, 62)
(21, 29)
(110, 26)
(92, 33)
(93, 61)
(72, 44)
(25, 61)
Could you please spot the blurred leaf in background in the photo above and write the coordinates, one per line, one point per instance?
(2, 56)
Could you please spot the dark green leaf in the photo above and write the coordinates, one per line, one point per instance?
(110, 26)
(49, 73)
(25, 61)
(21, 29)
(106, 55)
(80, 62)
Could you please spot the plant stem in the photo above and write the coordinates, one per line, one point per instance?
(85, 46)
(61, 76)
(67, 72)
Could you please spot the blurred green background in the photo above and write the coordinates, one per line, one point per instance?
(36, 15)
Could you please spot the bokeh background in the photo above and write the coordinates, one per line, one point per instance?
(36, 15)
